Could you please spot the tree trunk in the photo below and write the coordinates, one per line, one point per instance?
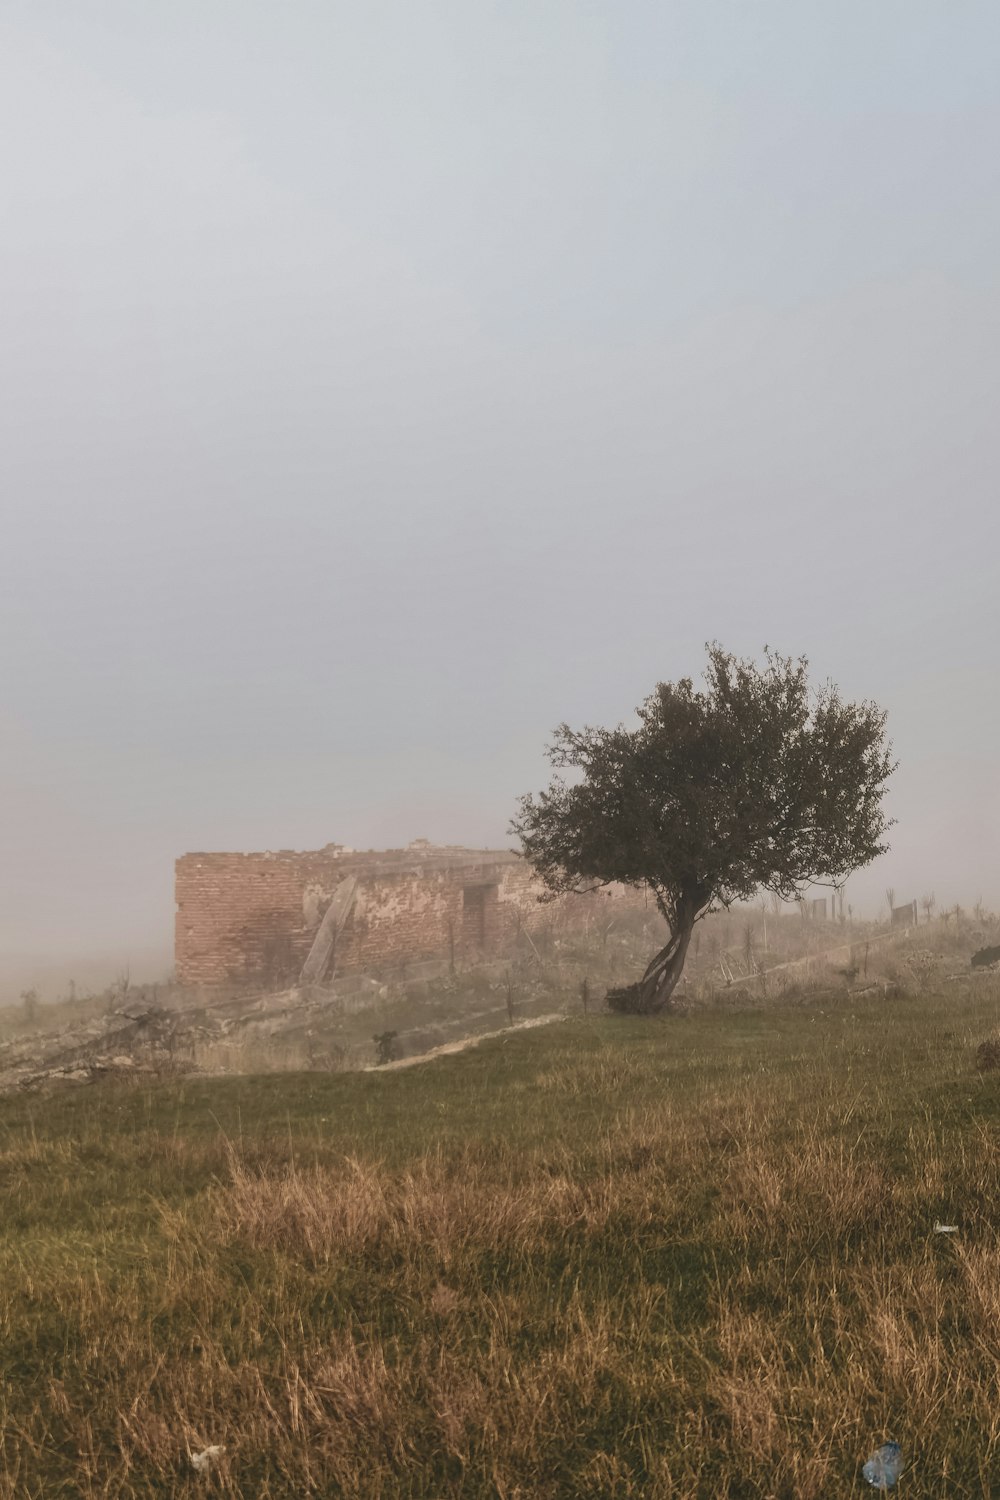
(652, 993)
(661, 977)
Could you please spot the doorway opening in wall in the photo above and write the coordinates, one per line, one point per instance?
(474, 917)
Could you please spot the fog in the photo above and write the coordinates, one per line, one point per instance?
(383, 384)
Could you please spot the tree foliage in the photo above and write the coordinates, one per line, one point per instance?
(755, 782)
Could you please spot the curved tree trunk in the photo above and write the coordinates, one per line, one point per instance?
(653, 992)
(661, 977)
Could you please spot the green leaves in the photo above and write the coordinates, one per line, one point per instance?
(753, 782)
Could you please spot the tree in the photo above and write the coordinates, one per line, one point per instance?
(753, 784)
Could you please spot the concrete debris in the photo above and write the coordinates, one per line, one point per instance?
(318, 961)
(300, 1028)
(127, 1040)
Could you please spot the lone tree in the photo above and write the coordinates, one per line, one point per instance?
(756, 783)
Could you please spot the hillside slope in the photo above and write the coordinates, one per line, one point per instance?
(600, 1258)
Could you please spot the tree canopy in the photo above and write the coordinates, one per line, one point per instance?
(757, 782)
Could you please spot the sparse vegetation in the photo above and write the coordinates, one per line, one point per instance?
(608, 1258)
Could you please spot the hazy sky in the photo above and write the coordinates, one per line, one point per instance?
(383, 383)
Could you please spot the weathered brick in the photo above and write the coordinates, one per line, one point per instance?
(254, 916)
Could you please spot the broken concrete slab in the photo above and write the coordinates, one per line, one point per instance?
(317, 963)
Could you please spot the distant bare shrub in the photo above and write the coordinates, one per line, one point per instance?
(386, 1049)
(625, 999)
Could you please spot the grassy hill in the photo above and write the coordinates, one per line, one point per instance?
(608, 1257)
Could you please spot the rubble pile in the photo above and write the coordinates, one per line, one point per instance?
(301, 1023)
(133, 1039)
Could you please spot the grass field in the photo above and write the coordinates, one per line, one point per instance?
(609, 1257)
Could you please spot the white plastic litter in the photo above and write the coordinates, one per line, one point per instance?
(203, 1461)
(945, 1228)
(884, 1467)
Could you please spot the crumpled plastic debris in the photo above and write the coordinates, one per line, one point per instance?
(203, 1461)
(945, 1228)
(884, 1467)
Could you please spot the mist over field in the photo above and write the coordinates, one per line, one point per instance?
(382, 385)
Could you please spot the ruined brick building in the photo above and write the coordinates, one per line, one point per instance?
(247, 917)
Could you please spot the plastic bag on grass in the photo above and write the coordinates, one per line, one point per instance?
(203, 1461)
(883, 1468)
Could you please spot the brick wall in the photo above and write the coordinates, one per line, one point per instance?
(253, 917)
(245, 915)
